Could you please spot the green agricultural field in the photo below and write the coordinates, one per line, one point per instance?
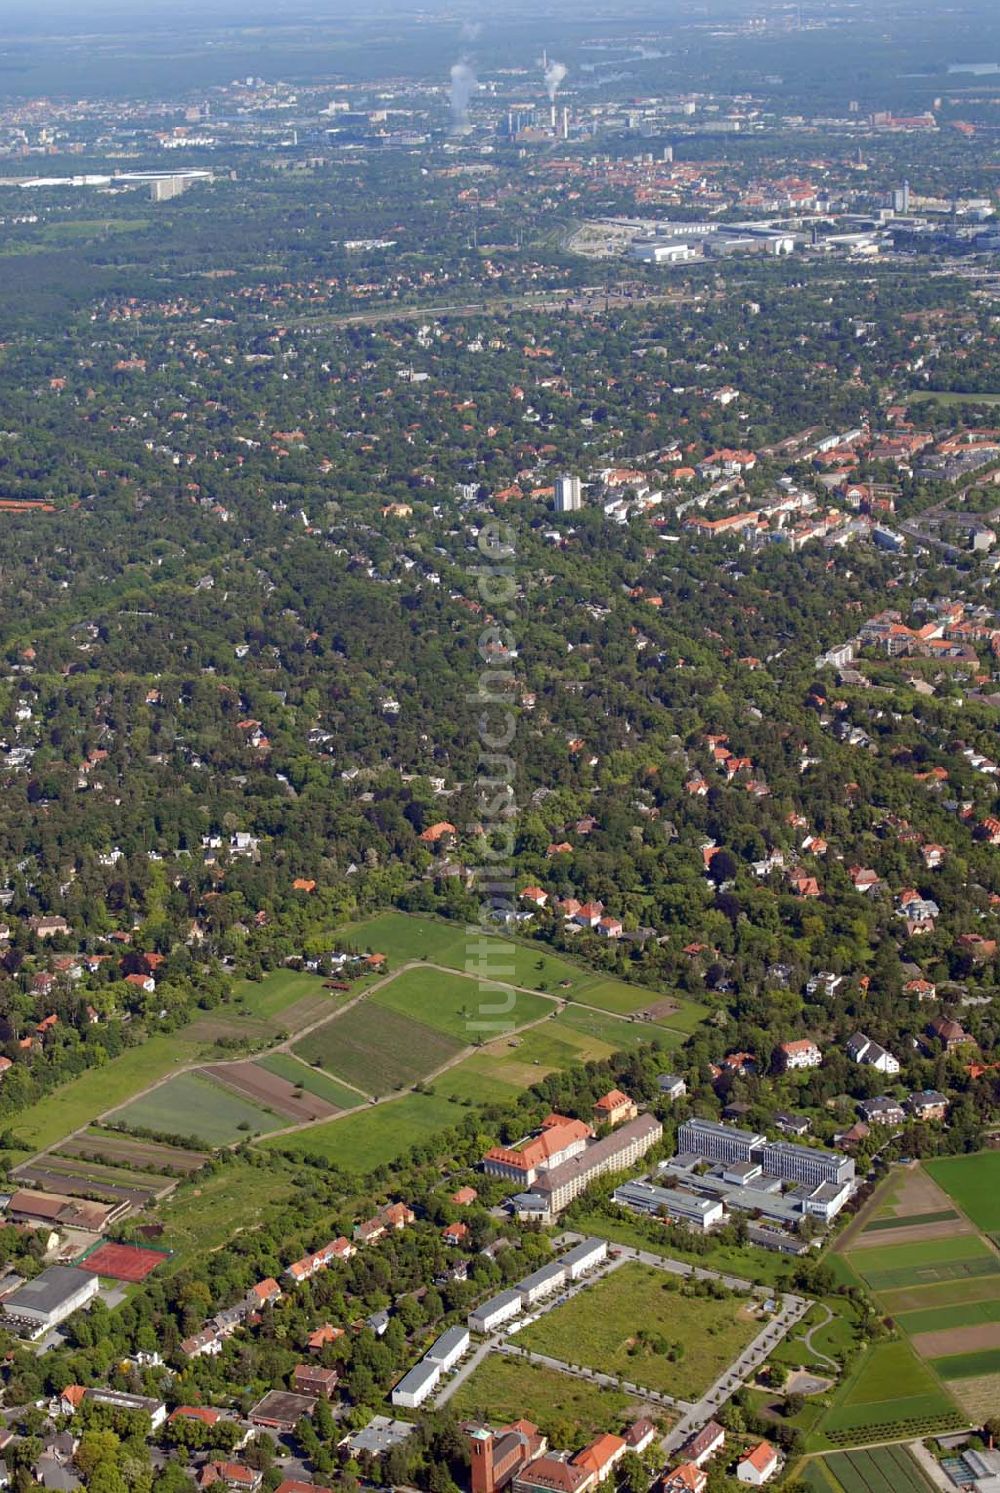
(606, 1327)
(969, 1365)
(924, 1262)
(890, 1386)
(196, 1108)
(974, 1183)
(82, 1100)
(943, 1294)
(375, 1136)
(403, 938)
(459, 1006)
(958, 1314)
(907, 1220)
(502, 1389)
(277, 991)
(377, 1049)
(883, 1469)
(312, 1080)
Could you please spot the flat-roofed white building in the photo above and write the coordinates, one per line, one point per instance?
(414, 1387)
(449, 1348)
(584, 1256)
(493, 1313)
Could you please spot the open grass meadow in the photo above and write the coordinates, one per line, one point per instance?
(458, 1005)
(377, 1049)
(624, 1323)
(475, 1081)
(209, 1212)
(277, 991)
(404, 938)
(974, 1183)
(198, 1109)
(374, 1136)
(502, 1389)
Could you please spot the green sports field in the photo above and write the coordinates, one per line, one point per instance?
(195, 1107)
(974, 1183)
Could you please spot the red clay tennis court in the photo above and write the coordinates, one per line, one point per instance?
(124, 1261)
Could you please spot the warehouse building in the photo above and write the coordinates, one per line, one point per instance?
(41, 1304)
(679, 1207)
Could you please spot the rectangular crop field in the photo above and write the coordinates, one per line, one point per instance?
(144, 1155)
(377, 1049)
(945, 1294)
(885, 1267)
(890, 1388)
(883, 1469)
(312, 1080)
(908, 1220)
(958, 1314)
(374, 1136)
(629, 1323)
(270, 1092)
(198, 1109)
(458, 1006)
(99, 1090)
(969, 1365)
(974, 1183)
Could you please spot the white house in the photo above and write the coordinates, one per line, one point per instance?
(759, 1464)
(801, 1053)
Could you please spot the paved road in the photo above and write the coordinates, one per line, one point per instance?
(693, 1416)
(793, 1309)
(831, 1363)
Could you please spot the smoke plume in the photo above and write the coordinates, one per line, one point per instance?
(554, 74)
(463, 81)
